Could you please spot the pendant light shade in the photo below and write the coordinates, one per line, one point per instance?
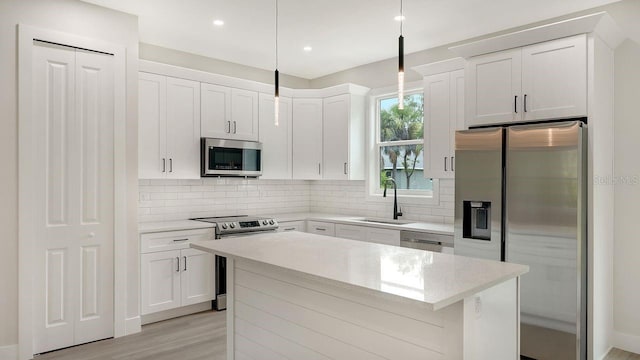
(276, 98)
(401, 63)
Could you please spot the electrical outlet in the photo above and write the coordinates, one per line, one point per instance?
(478, 306)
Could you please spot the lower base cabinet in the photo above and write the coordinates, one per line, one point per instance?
(178, 277)
(321, 228)
(292, 226)
(369, 234)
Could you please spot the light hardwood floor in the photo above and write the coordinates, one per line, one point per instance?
(193, 337)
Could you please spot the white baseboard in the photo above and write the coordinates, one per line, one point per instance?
(173, 313)
(132, 325)
(626, 342)
(9, 352)
(604, 356)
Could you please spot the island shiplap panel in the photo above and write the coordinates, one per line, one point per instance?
(379, 320)
(270, 309)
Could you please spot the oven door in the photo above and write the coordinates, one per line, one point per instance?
(221, 157)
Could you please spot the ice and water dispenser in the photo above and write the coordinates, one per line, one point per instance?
(476, 223)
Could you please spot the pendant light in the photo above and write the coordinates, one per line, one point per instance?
(276, 99)
(401, 63)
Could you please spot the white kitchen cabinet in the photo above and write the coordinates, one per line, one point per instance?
(343, 137)
(536, 82)
(321, 228)
(352, 232)
(276, 140)
(169, 127)
(368, 233)
(291, 226)
(443, 115)
(307, 139)
(383, 236)
(172, 274)
(229, 113)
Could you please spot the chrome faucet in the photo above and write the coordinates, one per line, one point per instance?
(396, 213)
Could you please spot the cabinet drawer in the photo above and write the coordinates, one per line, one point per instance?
(291, 226)
(321, 228)
(173, 240)
(352, 232)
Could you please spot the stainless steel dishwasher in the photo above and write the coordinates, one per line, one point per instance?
(427, 241)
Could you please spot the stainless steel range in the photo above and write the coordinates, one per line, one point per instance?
(234, 226)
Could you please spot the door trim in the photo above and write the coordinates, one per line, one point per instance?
(28, 176)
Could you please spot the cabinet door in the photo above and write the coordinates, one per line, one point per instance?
(183, 129)
(291, 226)
(307, 139)
(321, 228)
(383, 236)
(215, 111)
(351, 232)
(335, 131)
(493, 88)
(554, 79)
(276, 140)
(160, 281)
(152, 100)
(244, 115)
(456, 112)
(437, 114)
(197, 276)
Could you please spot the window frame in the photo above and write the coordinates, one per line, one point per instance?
(374, 191)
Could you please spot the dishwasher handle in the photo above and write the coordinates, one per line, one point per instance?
(428, 242)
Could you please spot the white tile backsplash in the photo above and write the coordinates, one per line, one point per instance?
(183, 199)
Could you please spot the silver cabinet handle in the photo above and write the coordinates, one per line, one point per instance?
(170, 165)
(178, 260)
(185, 263)
(321, 229)
(345, 168)
(164, 165)
(525, 102)
(178, 240)
(515, 104)
(452, 163)
(235, 127)
(229, 129)
(289, 229)
(318, 168)
(445, 163)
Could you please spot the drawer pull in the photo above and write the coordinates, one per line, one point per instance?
(178, 262)
(289, 229)
(321, 229)
(179, 240)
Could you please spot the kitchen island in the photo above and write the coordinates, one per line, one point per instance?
(303, 296)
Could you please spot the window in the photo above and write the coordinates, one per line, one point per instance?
(399, 145)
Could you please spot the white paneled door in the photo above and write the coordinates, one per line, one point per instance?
(73, 108)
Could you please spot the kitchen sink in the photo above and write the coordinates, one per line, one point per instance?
(386, 221)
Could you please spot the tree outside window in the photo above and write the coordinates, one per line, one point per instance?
(400, 143)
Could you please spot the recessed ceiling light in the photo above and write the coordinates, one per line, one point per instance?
(218, 22)
(307, 48)
(399, 18)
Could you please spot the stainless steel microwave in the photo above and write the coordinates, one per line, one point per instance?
(222, 157)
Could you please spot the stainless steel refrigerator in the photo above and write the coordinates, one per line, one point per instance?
(520, 196)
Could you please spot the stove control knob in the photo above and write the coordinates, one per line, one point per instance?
(264, 222)
(224, 226)
(232, 225)
(271, 222)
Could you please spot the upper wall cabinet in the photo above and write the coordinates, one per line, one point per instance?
(276, 140)
(169, 128)
(343, 137)
(542, 81)
(443, 115)
(229, 113)
(307, 139)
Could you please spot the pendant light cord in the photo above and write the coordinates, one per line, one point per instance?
(401, 17)
(276, 34)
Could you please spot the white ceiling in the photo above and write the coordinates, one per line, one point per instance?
(343, 33)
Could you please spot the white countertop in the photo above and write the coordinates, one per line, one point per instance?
(159, 226)
(436, 279)
(433, 228)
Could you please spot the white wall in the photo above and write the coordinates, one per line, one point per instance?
(81, 19)
(626, 271)
(202, 63)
